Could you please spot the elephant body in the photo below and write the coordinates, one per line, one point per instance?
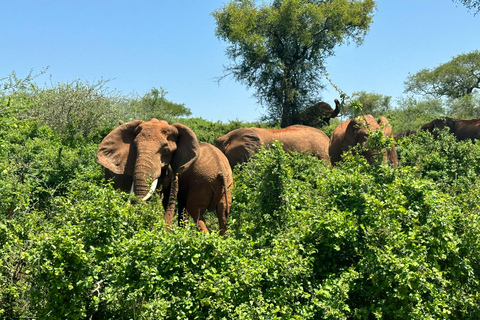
(354, 132)
(461, 129)
(240, 144)
(206, 186)
(139, 152)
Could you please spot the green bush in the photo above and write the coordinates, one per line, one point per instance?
(453, 165)
(305, 240)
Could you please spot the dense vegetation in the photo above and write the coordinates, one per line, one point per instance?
(305, 241)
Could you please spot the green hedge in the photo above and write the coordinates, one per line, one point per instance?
(306, 241)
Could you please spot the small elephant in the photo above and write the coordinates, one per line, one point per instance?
(461, 129)
(319, 114)
(240, 144)
(138, 152)
(355, 132)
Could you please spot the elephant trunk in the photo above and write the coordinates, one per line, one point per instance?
(143, 174)
(337, 109)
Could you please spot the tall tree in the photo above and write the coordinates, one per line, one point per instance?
(471, 5)
(279, 48)
(372, 103)
(453, 79)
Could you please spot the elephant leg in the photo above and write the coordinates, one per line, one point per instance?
(222, 216)
(170, 206)
(196, 212)
(182, 215)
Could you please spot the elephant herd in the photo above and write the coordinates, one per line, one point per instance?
(143, 156)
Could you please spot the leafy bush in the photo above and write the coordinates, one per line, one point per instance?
(306, 241)
(453, 165)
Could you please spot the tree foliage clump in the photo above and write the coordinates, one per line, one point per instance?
(372, 103)
(454, 79)
(279, 49)
(471, 5)
(154, 104)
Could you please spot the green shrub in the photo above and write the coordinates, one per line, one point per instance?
(453, 165)
(306, 241)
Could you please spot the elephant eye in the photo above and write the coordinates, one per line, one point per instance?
(166, 150)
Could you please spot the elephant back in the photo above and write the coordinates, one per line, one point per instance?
(211, 169)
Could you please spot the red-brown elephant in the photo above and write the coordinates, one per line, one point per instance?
(354, 132)
(139, 152)
(240, 144)
(461, 129)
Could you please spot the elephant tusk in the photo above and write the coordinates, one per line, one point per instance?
(152, 189)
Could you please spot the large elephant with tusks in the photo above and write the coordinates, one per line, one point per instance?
(140, 152)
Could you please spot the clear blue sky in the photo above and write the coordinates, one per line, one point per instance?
(171, 44)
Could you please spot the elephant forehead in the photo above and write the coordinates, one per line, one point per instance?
(154, 132)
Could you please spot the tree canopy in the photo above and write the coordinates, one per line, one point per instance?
(471, 5)
(154, 105)
(279, 48)
(453, 79)
(372, 103)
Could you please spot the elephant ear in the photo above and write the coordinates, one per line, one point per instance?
(387, 128)
(116, 152)
(188, 148)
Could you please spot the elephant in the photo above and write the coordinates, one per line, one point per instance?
(240, 144)
(138, 152)
(404, 133)
(461, 129)
(354, 132)
(319, 114)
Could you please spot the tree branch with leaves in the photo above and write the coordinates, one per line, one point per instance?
(279, 48)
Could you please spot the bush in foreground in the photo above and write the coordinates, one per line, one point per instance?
(306, 241)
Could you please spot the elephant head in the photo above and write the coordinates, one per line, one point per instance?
(354, 132)
(141, 152)
(439, 124)
(239, 145)
(319, 114)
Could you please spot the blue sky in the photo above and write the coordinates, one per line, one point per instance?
(171, 44)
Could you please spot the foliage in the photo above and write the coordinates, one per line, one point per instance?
(154, 105)
(372, 103)
(77, 111)
(13, 83)
(305, 240)
(452, 164)
(454, 79)
(471, 5)
(412, 113)
(466, 107)
(280, 48)
(208, 131)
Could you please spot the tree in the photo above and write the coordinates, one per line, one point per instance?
(154, 105)
(372, 103)
(471, 5)
(279, 48)
(412, 113)
(453, 79)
